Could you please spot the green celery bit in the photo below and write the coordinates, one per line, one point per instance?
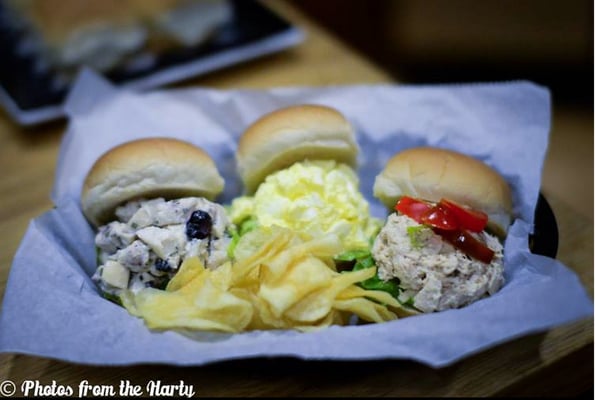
(414, 233)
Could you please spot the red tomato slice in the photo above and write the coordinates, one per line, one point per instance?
(441, 218)
(412, 208)
(450, 221)
(467, 244)
(472, 220)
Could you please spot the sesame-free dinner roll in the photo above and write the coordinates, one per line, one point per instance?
(152, 167)
(288, 135)
(431, 173)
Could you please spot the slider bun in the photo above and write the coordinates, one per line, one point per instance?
(154, 167)
(431, 174)
(292, 134)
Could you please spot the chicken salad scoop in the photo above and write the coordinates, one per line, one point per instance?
(151, 203)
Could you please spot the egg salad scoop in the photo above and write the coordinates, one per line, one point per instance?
(151, 202)
(297, 165)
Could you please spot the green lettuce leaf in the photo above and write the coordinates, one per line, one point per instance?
(113, 298)
(363, 259)
(240, 230)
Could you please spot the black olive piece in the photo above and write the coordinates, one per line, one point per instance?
(199, 225)
(162, 265)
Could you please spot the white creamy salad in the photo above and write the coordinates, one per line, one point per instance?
(147, 243)
(430, 270)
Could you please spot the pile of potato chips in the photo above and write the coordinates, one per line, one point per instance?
(277, 281)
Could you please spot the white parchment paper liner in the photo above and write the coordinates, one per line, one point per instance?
(51, 307)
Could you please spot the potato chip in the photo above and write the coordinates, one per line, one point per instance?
(380, 297)
(222, 276)
(259, 242)
(327, 321)
(302, 278)
(223, 306)
(376, 295)
(190, 268)
(165, 310)
(322, 247)
(267, 316)
(247, 269)
(196, 299)
(313, 307)
(365, 309)
(257, 322)
(346, 279)
(279, 280)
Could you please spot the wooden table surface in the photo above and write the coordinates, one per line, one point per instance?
(559, 361)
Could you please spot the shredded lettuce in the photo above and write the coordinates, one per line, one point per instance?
(113, 298)
(247, 225)
(363, 259)
(409, 302)
(352, 255)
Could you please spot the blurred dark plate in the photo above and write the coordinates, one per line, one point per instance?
(31, 96)
(544, 240)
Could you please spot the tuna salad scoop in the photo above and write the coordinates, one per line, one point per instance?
(442, 244)
(151, 201)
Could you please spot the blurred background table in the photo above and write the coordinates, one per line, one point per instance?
(558, 362)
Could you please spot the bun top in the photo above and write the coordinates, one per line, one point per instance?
(292, 134)
(431, 174)
(153, 167)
